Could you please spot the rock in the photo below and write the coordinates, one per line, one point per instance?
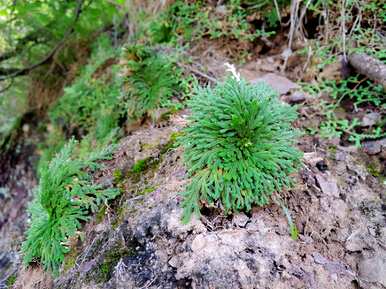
(333, 267)
(198, 243)
(371, 119)
(322, 166)
(9, 261)
(296, 97)
(340, 156)
(374, 147)
(373, 269)
(279, 83)
(355, 242)
(174, 262)
(240, 220)
(312, 158)
(328, 185)
(245, 275)
(177, 228)
(358, 169)
(158, 251)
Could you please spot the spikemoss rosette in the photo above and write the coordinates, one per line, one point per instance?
(239, 146)
(154, 79)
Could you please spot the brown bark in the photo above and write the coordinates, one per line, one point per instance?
(369, 66)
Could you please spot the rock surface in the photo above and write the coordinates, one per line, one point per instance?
(338, 214)
(279, 83)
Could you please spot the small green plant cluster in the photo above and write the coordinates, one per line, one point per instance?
(353, 88)
(239, 146)
(92, 103)
(192, 20)
(360, 93)
(64, 198)
(91, 108)
(103, 99)
(152, 82)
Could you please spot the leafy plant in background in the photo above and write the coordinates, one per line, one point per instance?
(31, 28)
(152, 81)
(37, 40)
(64, 198)
(360, 93)
(239, 146)
(193, 20)
(362, 20)
(103, 98)
(89, 108)
(92, 104)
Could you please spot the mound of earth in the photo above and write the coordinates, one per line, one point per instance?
(139, 242)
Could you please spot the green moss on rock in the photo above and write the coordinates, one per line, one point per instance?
(146, 191)
(100, 215)
(11, 281)
(140, 166)
(110, 261)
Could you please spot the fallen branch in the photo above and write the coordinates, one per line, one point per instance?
(369, 66)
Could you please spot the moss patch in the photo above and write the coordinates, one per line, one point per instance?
(111, 260)
(146, 191)
(119, 217)
(70, 259)
(140, 166)
(172, 143)
(100, 215)
(10, 281)
(332, 149)
(118, 176)
(373, 170)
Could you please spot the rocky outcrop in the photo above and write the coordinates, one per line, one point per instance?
(141, 242)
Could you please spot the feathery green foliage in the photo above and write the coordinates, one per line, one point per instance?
(102, 98)
(152, 82)
(92, 104)
(64, 198)
(239, 146)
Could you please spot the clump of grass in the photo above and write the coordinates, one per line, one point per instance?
(239, 147)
